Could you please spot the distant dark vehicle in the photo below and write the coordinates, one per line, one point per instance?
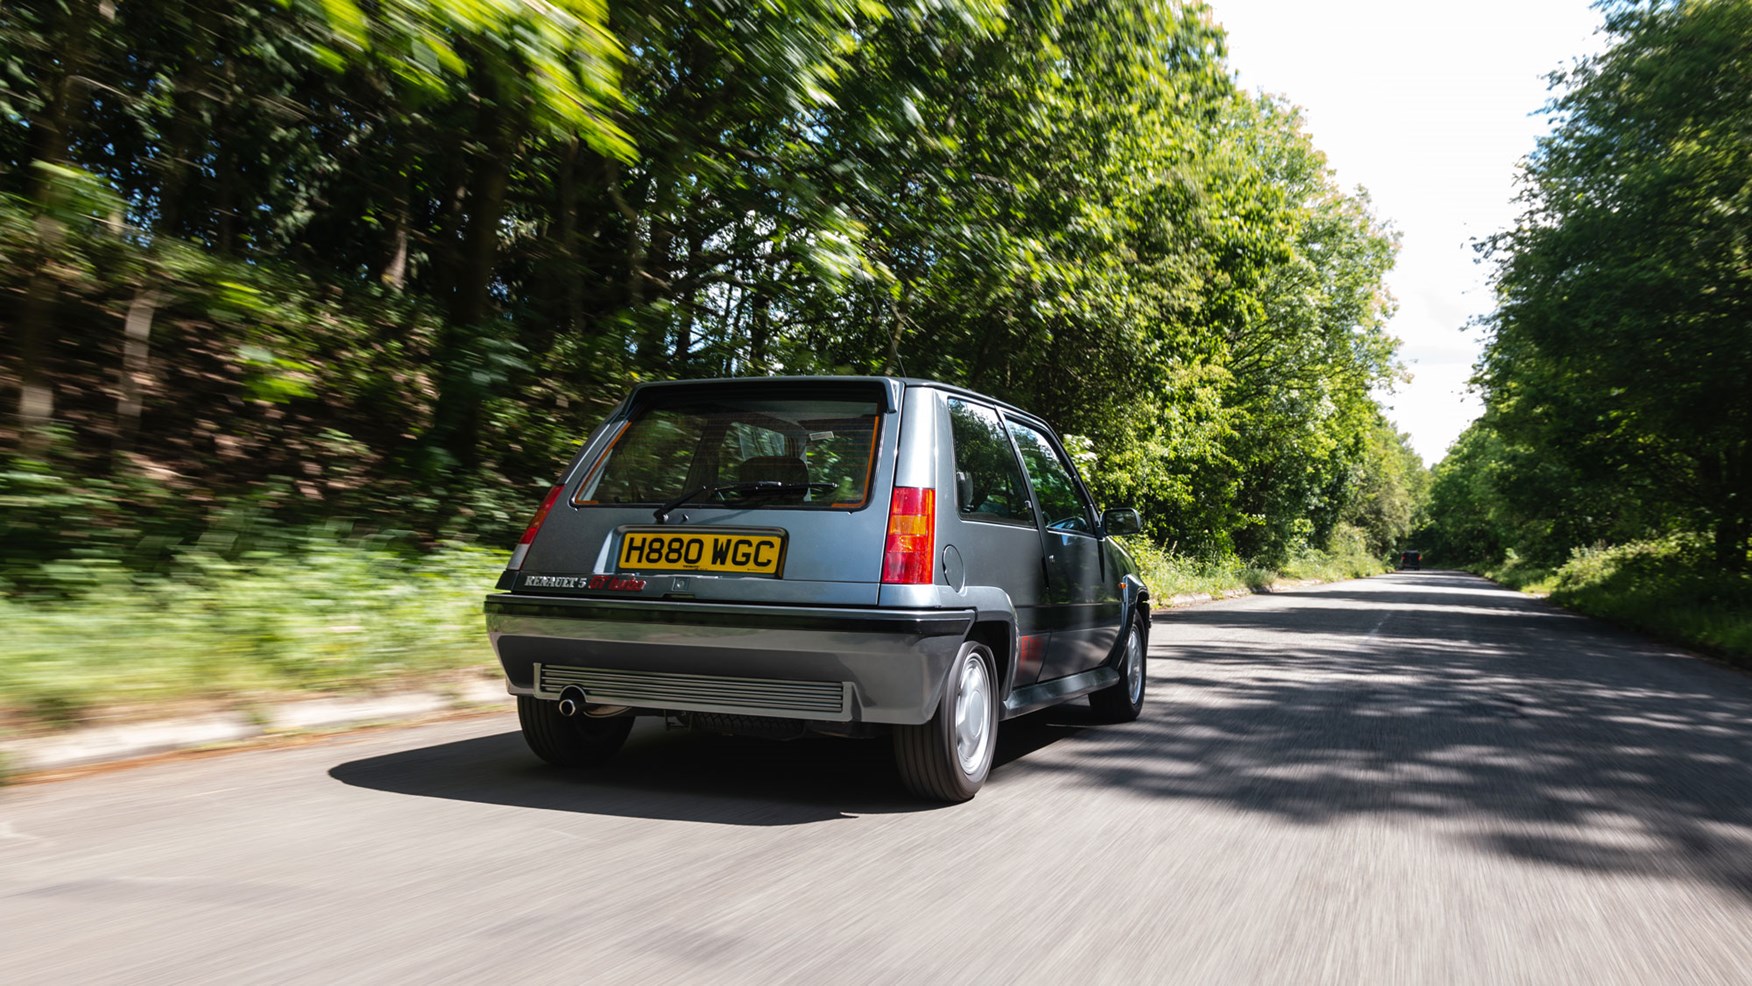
(844, 556)
(1412, 559)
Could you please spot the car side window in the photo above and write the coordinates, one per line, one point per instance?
(1062, 506)
(988, 482)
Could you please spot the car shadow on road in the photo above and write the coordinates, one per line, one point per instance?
(681, 775)
(1524, 730)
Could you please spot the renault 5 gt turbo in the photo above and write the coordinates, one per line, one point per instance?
(845, 556)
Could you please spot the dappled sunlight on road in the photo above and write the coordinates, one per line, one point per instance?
(1519, 736)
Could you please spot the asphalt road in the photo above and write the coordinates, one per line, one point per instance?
(1418, 778)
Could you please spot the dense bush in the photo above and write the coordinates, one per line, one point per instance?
(1669, 587)
(1170, 573)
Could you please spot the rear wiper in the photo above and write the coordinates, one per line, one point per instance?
(762, 488)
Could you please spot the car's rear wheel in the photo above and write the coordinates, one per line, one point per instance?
(1122, 702)
(949, 758)
(570, 741)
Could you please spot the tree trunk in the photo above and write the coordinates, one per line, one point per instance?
(136, 353)
(760, 327)
(36, 315)
(225, 168)
(393, 274)
(452, 212)
(893, 363)
(486, 207)
(1733, 526)
(36, 323)
(652, 349)
(180, 150)
(456, 417)
(395, 268)
(734, 321)
(634, 247)
(688, 314)
(572, 271)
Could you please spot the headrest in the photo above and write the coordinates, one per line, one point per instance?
(773, 469)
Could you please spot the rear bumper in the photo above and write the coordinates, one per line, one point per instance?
(797, 662)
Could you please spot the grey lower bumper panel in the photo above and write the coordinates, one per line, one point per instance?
(829, 700)
(831, 664)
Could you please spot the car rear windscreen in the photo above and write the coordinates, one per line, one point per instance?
(754, 451)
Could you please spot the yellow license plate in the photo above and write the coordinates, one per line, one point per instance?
(673, 550)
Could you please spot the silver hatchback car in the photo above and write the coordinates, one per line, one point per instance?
(849, 556)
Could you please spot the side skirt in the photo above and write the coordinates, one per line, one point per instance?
(1032, 698)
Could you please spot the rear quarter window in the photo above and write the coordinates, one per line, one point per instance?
(988, 481)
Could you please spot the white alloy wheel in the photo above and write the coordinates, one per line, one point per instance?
(973, 716)
(1134, 664)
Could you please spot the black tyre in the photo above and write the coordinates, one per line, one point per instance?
(949, 758)
(576, 741)
(1123, 701)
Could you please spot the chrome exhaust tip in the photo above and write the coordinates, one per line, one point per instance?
(571, 701)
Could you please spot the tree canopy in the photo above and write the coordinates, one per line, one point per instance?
(391, 260)
(1616, 372)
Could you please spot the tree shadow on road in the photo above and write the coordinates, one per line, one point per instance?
(1529, 731)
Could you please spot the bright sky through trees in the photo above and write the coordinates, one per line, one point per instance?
(1428, 106)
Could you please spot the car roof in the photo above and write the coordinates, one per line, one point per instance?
(889, 383)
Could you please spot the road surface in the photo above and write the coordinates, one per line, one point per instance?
(1417, 778)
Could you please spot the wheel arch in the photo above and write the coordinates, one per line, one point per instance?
(999, 637)
(1136, 596)
(994, 625)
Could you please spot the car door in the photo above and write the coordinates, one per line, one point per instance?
(1083, 604)
(998, 535)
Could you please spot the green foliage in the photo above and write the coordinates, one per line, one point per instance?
(1333, 565)
(1170, 573)
(321, 615)
(1518, 573)
(1668, 587)
(1385, 498)
(1469, 522)
(1615, 375)
(556, 59)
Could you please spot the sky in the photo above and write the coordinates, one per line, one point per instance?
(1429, 106)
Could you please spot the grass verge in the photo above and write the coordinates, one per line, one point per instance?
(1169, 574)
(231, 633)
(1667, 588)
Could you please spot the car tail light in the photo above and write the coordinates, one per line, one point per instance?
(528, 537)
(909, 555)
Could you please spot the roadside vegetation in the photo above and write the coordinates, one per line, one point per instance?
(1170, 574)
(1667, 588)
(1613, 464)
(306, 303)
(220, 628)
(217, 630)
